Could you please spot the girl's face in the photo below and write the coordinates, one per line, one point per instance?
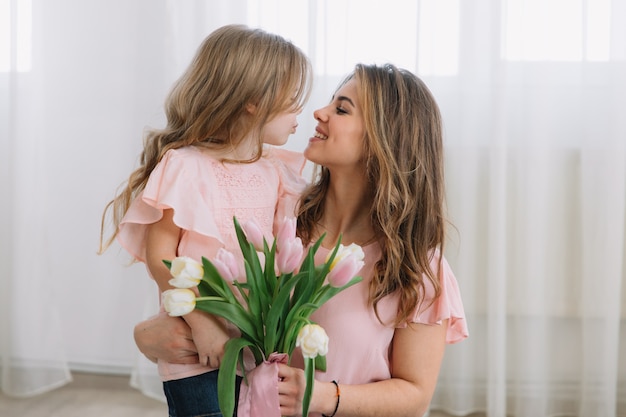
(340, 132)
(277, 130)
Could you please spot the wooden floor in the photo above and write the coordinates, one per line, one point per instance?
(91, 395)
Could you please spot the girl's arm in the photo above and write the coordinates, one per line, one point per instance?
(209, 334)
(162, 240)
(417, 352)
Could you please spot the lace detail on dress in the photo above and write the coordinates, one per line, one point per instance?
(246, 194)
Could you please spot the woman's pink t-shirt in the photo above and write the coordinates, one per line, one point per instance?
(359, 344)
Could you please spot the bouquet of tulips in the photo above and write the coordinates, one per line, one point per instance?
(283, 287)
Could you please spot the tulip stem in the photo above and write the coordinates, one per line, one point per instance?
(210, 298)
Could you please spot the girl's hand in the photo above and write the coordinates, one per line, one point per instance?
(209, 335)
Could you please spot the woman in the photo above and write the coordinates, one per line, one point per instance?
(381, 185)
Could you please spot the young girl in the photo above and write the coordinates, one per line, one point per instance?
(243, 89)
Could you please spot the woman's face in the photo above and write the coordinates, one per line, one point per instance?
(340, 131)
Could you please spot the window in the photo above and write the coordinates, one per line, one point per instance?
(15, 35)
(557, 30)
(419, 36)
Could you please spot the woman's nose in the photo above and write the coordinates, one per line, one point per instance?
(319, 114)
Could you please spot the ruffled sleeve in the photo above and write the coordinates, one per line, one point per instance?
(289, 165)
(448, 305)
(181, 181)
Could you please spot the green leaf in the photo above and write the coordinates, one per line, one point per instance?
(301, 297)
(241, 238)
(253, 269)
(329, 291)
(320, 363)
(233, 313)
(213, 284)
(226, 378)
(206, 290)
(242, 287)
(309, 372)
(305, 285)
(274, 315)
(308, 265)
(271, 281)
(168, 264)
(254, 303)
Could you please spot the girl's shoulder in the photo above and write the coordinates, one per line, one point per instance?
(291, 160)
(189, 153)
(189, 160)
(289, 165)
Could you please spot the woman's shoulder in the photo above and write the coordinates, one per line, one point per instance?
(184, 170)
(448, 305)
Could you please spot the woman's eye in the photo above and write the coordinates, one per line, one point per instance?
(341, 111)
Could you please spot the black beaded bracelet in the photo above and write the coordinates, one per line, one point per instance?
(338, 398)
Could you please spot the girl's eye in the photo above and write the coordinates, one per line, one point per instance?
(341, 111)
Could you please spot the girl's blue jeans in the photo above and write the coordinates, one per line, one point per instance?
(195, 396)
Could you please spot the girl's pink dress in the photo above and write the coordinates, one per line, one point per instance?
(205, 194)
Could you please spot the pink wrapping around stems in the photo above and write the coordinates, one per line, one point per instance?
(259, 397)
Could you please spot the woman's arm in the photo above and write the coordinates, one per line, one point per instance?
(166, 338)
(417, 352)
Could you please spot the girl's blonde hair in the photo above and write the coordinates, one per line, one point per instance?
(235, 67)
(404, 166)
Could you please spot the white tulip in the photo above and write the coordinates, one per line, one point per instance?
(178, 302)
(187, 272)
(352, 250)
(312, 340)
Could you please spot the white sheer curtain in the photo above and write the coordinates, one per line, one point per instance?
(532, 93)
(537, 189)
(80, 81)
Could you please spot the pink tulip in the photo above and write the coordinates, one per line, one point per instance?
(347, 263)
(227, 266)
(289, 255)
(254, 234)
(286, 231)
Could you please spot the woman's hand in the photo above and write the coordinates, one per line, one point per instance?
(166, 338)
(290, 390)
(416, 358)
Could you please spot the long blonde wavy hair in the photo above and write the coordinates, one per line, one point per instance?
(404, 150)
(234, 67)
